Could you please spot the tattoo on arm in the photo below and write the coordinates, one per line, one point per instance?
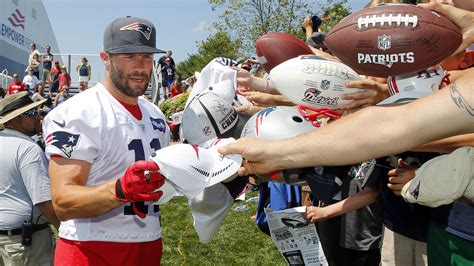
(459, 100)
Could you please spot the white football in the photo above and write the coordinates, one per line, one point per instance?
(313, 81)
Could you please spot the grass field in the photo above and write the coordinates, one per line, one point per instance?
(238, 242)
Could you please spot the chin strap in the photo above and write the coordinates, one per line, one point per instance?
(445, 81)
(312, 114)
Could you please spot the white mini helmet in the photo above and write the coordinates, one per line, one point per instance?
(409, 87)
(276, 123)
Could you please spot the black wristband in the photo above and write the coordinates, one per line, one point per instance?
(119, 192)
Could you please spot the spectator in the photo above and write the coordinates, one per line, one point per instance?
(2, 93)
(84, 72)
(47, 65)
(30, 80)
(39, 94)
(167, 73)
(34, 60)
(164, 74)
(161, 61)
(350, 224)
(64, 78)
(25, 194)
(16, 85)
(106, 210)
(390, 131)
(175, 88)
(54, 85)
(61, 96)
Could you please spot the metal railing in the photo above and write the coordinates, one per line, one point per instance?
(5, 79)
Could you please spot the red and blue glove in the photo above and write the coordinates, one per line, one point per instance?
(134, 186)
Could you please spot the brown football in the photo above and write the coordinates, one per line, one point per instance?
(393, 39)
(277, 47)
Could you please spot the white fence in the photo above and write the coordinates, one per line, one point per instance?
(5, 79)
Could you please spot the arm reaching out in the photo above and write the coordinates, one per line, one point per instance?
(369, 133)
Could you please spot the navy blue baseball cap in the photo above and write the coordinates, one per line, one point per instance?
(130, 35)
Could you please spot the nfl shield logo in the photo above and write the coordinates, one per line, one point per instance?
(384, 42)
(325, 84)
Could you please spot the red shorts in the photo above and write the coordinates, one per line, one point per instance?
(70, 252)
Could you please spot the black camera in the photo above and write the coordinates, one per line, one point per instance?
(27, 231)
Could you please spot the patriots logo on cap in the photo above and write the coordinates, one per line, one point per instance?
(416, 191)
(140, 27)
(64, 141)
(158, 123)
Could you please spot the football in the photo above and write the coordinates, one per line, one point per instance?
(393, 39)
(277, 47)
(313, 81)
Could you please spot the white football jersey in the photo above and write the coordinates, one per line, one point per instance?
(94, 127)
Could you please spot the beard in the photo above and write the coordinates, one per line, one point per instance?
(120, 81)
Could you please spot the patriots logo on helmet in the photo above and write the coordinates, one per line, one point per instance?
(140, 27)
(158, 123)
(259, 118)
(64, 141)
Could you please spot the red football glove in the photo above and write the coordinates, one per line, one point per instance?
(133, 186)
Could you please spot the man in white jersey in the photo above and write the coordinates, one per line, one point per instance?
(98, 142)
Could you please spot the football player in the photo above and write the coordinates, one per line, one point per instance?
(98, 142)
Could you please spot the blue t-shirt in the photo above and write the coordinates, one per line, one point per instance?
(457, 218)
(83, 71)
(47, 64)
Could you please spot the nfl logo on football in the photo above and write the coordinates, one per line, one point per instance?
(325, 84)
(384, 42)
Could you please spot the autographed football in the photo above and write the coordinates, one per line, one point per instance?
(276, 47)
(313, 81)
(393, 39)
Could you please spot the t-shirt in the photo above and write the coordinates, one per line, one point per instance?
(47, 61)
(94, 127)
(362, 229)
(83, 70)
(161, 61)
(401, 217)
(24, 179)
(16, 87)
(64, 79)
(168, 72)
(456, 218)
(32, 81)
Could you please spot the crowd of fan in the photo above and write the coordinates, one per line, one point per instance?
(54, 78)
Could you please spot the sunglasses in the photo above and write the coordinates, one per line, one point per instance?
(31, 113)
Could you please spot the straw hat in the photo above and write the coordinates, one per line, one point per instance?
(15, 105)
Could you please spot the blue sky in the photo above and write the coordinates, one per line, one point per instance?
(79, 24)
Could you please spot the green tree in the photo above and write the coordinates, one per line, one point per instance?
(335, 11)
(247, 20)
(218, 44)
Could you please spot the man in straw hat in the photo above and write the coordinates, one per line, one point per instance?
(98, 142)
(25, 194)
